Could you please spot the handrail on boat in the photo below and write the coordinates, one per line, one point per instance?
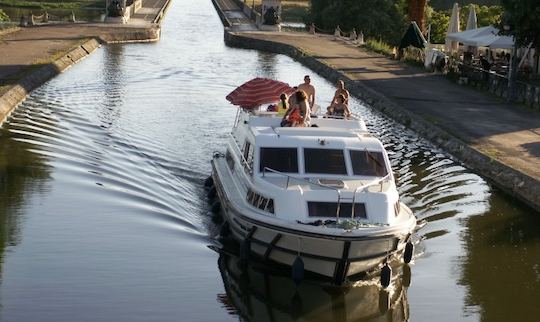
(338, 192)
(358, 189)
(243, 160)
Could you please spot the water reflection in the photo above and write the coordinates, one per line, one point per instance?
(257, 292)
(22, 173)
(502, 266)
(113, 88)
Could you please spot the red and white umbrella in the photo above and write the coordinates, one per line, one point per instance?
(258, 91)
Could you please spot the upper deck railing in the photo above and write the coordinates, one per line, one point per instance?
(358, 189)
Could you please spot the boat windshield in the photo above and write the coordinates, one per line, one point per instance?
(325, 161)
(366, 163)
(279, 159)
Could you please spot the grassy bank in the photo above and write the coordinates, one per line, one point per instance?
(51, 4)
(291, 11)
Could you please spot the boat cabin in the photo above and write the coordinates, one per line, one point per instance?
(335, 170)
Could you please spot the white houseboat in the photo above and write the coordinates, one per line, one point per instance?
(321, 199)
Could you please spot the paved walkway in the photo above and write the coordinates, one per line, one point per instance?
(238, 20)
(29, 47)
(508, 133)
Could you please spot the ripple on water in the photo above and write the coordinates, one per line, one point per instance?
(129, 170)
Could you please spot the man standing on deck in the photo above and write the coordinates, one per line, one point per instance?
(309, 90)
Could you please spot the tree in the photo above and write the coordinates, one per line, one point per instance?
(521, 19)
(439, 21)
(416, 12)
(381, 19)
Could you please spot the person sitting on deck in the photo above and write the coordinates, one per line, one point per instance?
(298, 114)
(282, 106)
(341, 109)
(339, 91)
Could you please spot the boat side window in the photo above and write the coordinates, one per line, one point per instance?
(367, 163)
(329, 209)
(279, 159)
(258, 201)
(248, 153)
(325, 161)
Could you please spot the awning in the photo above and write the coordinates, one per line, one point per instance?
(258, 91)
(483, 37)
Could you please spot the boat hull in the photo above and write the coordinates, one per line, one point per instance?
(331, 256)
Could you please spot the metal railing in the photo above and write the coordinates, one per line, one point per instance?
(496, 83)
(338, 192)
(245, 164)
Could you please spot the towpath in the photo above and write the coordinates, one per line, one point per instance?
(24, 49)
(497, 130)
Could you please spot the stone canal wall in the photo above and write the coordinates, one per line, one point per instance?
(516, 183)
(16, 94)
(36, 77)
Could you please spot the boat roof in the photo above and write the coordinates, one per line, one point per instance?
(314, 137)
(330, 133)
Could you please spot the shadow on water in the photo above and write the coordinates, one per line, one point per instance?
(502, 268)
(258, 292)
(21, 173)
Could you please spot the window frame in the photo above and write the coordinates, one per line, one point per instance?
(345, 163)
(387, 168)
(260, 167)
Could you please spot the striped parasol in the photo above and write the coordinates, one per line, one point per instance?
(258, 91)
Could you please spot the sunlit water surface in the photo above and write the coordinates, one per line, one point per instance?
(103, 212)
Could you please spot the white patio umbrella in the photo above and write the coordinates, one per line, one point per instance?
(453, 27)
(504, 42)
(471, 22)
(482, 37)
(468, 37)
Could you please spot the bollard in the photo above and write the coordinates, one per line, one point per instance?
(361, 38)
(353, 35)
(337, 32)
(31, 21)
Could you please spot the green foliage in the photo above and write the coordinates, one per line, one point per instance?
(52, 4)
(379, 46)
(3, 16)
(440, 20)
(447, 4)
(485, 16)
(382, 19)
(523, 19)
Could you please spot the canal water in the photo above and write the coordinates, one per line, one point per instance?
(103, 213)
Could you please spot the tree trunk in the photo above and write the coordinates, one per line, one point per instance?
(416, 12)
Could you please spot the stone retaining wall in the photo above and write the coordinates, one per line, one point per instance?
(17, 94)
(516, 183)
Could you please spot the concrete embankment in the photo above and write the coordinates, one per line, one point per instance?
(18, 92)
(517, 176)
(29, 53)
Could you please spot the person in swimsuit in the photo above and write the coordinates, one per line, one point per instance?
(340, 109)
(308, 89)
(339, 91)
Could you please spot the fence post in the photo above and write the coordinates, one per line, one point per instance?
(31, 21)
